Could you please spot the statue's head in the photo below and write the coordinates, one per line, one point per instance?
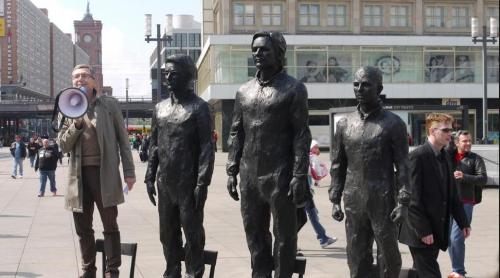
(268, 50)
(368, 85)
(180, 70)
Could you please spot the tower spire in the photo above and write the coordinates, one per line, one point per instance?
(88, 15)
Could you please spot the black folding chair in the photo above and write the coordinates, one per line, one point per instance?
(209, 258)
(128, 249)
(300, 266)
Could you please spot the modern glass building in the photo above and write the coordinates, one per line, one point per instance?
(423, 48)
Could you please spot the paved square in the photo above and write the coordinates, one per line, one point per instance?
(37, 237)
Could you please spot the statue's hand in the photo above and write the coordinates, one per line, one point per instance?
(337, 212)
(298, 190)
(232, 182)
(150, 186)
(399, 213)
(200, 196)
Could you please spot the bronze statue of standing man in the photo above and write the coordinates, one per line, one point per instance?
(182, 162)
(370, 168)
(269, 148)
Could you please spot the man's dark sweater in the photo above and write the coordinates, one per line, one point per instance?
(46, 159)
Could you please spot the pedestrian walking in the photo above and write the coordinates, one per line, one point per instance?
(46, 162)
(434, 199)
(470, 176)
(317, 171)
(32, 151)
(18, 152)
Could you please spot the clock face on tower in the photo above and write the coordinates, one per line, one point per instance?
(87, 38)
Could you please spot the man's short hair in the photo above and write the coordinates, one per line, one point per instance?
(279, 44)
(434, 118)
(185, 62)
(86, 66)
(373, 72)
(460, 133)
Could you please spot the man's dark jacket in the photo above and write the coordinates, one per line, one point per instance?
(13, 149)
(46, 159)
(433, 200)
(475, 177)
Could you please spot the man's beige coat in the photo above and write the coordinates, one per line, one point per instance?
(113, 142)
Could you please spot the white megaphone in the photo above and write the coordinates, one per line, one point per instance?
(72, 103)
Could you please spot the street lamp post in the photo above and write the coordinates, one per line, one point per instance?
(484, 40)
(158, 39)
(126, 102)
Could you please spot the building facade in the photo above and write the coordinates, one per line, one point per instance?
(61, 60)
(36, 56)
(422, 47)
(36, 60)
(185, 39)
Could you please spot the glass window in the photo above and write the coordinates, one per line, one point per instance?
(271, 14)
(434, 17)
(461, 17)
(309, 15)
(408, 68)
(373, 15)
(311, 66)
(439, 67)
(383, 60)
(492, 67)
(337, 15)
(400, 16)
(464, 67)
(339, 67)
(243, 14)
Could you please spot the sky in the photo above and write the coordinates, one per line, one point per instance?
(125, 52)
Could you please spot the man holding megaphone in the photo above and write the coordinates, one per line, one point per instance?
(93, 140)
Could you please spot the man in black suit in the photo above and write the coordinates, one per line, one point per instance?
(434, 198)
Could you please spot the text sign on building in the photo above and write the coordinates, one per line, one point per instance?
(2, 11)
(2, 27)
(451, 101)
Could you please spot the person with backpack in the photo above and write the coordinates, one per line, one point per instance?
(470, 177)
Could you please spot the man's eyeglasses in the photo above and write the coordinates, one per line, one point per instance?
(82, 76)
(445, 130)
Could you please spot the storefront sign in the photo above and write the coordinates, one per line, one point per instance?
(451, 101)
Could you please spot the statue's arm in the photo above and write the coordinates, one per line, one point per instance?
(236, 139)
(206, 157)
(399, 145)
(153, 160)
(338, 170)
(302, 134)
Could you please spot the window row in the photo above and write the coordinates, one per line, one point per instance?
(373, 15)
(184, 40)
(411, 65)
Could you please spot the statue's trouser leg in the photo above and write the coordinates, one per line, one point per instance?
(192, 224)
(285, 236)
(359, 236)
(386, 236)
(256, 216)
(170, 235)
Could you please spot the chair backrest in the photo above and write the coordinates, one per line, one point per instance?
(300, 266)
(127, 249)
(209, 258)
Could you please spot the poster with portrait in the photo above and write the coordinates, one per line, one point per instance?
(439, 67)
(464, 68)
(339, 67)
(311, 66)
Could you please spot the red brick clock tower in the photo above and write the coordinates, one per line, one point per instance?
(88, 37)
